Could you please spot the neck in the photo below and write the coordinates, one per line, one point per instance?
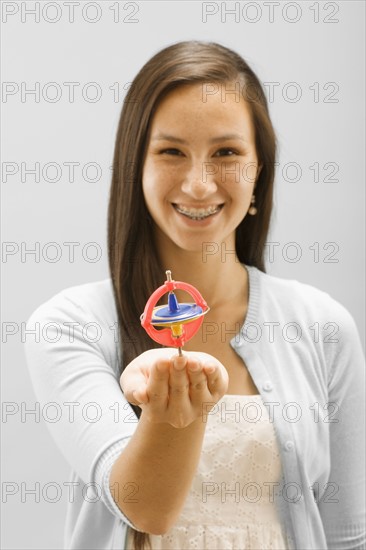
(217, 274)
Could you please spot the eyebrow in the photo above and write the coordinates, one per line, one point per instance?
(225, 137)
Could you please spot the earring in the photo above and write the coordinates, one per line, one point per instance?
(252, 210)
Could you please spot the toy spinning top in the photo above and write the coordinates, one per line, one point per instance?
(183, 320)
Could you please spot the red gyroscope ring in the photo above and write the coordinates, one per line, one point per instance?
(182, 320)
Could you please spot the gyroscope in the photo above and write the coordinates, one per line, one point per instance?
(179, 321)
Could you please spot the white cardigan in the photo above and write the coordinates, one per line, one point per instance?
(304, 354)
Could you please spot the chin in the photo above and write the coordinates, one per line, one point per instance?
(193, 248)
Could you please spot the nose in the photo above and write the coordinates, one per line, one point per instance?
(199, 184)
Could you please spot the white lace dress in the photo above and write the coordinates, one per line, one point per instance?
(230, 504)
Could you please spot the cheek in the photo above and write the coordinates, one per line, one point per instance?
(149, 185)
(236, 174)
(151, 200)
(154, 192)
(158, 181)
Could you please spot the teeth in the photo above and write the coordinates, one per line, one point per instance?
(197, 213)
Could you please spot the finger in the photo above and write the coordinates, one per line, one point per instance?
(178, 379)
(179, 400)
(133, 383)
(217, 378)
(197, 377)
(178, 385)
(139, 397)
(158, 383)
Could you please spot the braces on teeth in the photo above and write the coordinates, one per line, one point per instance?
(200, 214)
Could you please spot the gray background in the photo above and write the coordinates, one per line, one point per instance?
(108, 52)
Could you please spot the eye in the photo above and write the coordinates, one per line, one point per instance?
(226, 152)
(171, 151)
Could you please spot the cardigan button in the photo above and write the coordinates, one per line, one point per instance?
(267, 386)
(289, 445)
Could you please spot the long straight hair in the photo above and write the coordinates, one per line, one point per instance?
(134, 263)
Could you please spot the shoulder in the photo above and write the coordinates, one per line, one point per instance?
(299, 299)
(289, 300)
(327, 323)
(90, 301)
(81, 319)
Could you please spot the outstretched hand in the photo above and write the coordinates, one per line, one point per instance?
(174, 389)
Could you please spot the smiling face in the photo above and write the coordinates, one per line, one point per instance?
(200, 168)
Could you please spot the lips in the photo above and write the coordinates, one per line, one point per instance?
(198, 213)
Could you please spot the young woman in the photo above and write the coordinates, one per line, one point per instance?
(254, 437)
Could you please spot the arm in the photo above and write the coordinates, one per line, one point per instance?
(78, 372)
(162, 456)
(343, 512)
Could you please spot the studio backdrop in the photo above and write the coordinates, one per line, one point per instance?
(66, 69)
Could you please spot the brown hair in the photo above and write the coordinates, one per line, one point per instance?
(133, 259)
